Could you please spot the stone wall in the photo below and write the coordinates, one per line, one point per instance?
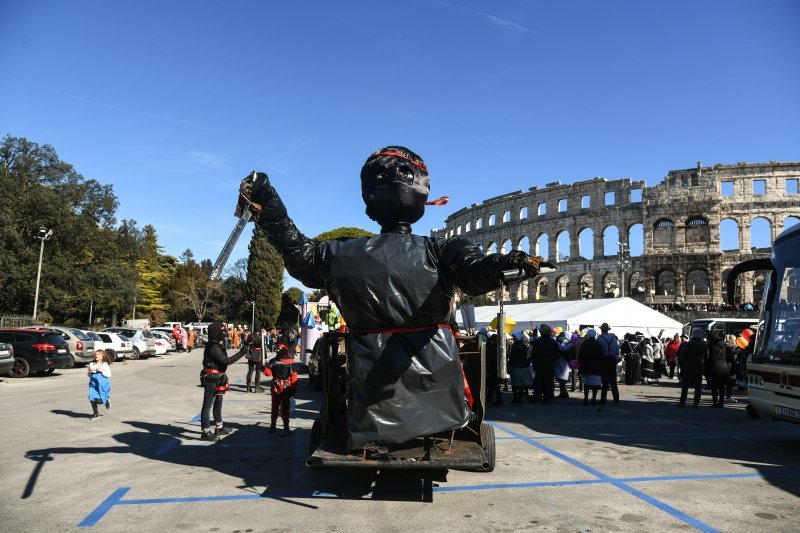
(676, 223)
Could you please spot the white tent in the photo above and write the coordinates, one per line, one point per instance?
(624, 315)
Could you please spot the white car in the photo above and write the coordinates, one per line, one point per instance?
(161, 345)
(118, 346)
(159, 334)
(144, 345)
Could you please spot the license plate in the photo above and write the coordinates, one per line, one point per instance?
(62, 350)
(89, 350)
(787, 411)
(5, 352)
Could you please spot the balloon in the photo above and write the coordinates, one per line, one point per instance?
(747, 333)
(741, 342)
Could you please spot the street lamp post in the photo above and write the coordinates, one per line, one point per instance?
(43, 235)
(253, 322)
(624, 261)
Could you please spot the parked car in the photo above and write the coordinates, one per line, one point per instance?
(160, 334)
(6, 358)
(117, 346)
(36, 350)
(161, 345)
(144, 344)
(81, 346)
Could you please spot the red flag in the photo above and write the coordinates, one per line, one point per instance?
(439, 201)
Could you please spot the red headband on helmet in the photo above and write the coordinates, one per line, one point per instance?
(392, 153)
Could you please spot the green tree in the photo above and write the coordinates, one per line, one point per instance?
(264, 277)
(343, 233)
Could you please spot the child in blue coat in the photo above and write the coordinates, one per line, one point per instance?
(99, 381)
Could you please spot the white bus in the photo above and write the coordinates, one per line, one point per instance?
(773, 368)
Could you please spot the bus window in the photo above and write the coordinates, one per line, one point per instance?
(782, 342)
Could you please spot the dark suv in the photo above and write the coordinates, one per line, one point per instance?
(36, 350)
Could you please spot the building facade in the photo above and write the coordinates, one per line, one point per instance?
(661, 244)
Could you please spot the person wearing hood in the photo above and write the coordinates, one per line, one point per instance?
(544, 353)
(717, 368)
(394, 290)
(519, 362)
(215, 381)
(590, 358)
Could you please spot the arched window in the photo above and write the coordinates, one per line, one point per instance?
(665, 283)
(636, 240)
(760, 233)
(697, 283)
(505, 247)
(524, 245)
(611, 241)
(728, 235)
(788, 222)
(697, 230)
(663, 232)
(562, 246)
(491, 248)
(586, 243)
(542, 246)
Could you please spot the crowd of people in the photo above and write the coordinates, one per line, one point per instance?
(541, 360)
(704, 307)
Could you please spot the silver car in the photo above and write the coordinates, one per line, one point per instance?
(81, 346)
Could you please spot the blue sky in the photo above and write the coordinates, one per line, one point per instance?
(174, 102)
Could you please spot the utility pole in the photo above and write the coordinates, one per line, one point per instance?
(624, 262)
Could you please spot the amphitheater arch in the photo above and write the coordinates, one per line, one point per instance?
(491, 248)
(729, 235)
(666, 283)
(522, 291)
(723, 285)
(541, 288)
(759, 279)
(542, 247)
(611, 241)
(698, 283)
(562, 287)
(523, 243)
(697, 230)
(636, 283)
(586, 284)
(505, 247)
(760, 232)
(790, 221)
(562, 246)
(663, 232)
(586, 243)
(636, 240)
(610, 284)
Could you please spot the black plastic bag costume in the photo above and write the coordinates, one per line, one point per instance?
(394, 290)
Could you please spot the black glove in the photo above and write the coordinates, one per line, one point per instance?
(260, 191)
(519, 260)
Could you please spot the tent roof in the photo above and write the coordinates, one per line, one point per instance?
(624, 315)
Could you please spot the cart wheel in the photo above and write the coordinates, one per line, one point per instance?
(316, 437)
(487, 439)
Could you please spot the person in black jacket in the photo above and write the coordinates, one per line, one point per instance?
(519, 363)
(692, 357)
(544, 353)
(215, 381)
(717, 367)
(591, 362)
(394, 291)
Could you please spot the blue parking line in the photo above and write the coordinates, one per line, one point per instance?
(619, 484)
(192, 499)
(104, 507)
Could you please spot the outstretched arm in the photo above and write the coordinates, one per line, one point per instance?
(300, 254)
(476, 273)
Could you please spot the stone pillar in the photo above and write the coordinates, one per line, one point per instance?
(599, 252)
(744, 243)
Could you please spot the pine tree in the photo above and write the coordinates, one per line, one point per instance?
(264, 278)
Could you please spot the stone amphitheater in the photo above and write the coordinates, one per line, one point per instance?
(659, 244)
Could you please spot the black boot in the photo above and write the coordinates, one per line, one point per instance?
(249, 389)
(272, 427)
(286, 430)
(209, 436)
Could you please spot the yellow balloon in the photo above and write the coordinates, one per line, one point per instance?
(741, 342)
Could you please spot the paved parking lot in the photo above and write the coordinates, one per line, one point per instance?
(641, 465)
